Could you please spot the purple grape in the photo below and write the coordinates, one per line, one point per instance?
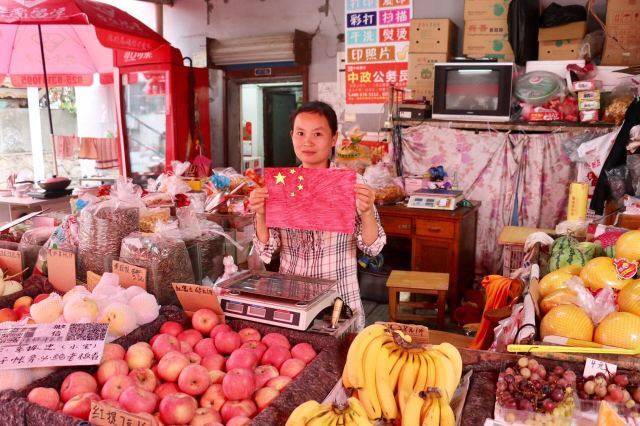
(557, 394)
(548, 405)
(525, 404)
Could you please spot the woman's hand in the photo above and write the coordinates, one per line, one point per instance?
(257, 200)
(365, 197)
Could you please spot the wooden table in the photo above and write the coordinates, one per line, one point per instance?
(441, 241)
(11, 208)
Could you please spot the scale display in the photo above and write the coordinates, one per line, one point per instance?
(435, 199)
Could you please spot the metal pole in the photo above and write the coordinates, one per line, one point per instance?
(46, 89)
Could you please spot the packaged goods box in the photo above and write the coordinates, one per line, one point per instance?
(491, 46)
(486, 9)
(432, 36)
(559, 50)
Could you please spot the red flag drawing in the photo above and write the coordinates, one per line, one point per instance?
(311, 199)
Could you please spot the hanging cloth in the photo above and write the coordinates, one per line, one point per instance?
(497, 288)
(106, 152)
(88, 149)
(65, 146)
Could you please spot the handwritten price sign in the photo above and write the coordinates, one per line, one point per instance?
(130, 274)
(105, 415)
(61, 267)
(11, 262)
(193, 297)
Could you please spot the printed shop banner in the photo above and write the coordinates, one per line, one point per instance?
(377, 49)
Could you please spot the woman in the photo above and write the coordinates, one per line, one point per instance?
(321, 254)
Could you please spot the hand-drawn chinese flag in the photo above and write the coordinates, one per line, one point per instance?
(311, 199)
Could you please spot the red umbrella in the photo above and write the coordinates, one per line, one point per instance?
(64, 42)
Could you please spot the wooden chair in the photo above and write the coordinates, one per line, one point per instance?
(429, 283)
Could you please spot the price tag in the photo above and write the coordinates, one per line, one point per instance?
(193, 297)
(130, 274)
(11, 262)
(51, 345)
(102, 414)
(595, 366)
(418, 333)
(61, 269)
(92, 280)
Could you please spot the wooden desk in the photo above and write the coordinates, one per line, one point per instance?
(12, 208)
(441, 241)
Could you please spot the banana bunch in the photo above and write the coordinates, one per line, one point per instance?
(312, 413)
(387, 370)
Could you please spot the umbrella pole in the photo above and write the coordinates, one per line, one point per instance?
(46, 91)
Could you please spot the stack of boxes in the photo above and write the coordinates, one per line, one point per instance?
(623, 20)
(486, 31)
(431, 41)
(562, 42)
(588, 99)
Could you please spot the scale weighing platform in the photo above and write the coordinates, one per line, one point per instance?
(435, 199)
(276, 299)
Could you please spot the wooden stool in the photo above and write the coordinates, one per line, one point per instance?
(431, 283)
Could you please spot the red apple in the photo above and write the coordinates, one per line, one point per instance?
(276, 355)
(204, 320)
(238, 384)
(190, 336)
(22, 301)
(112, 351)
(114, 387)
(213, 397)
(77, 383)
(213, 362)
(205, 347)
(144, 378)
(304, 352)
(231, 409)
(291, 367)
(194, 380)
(227, 342)
(164, 343)
(239, 421)
(264, 373)
(40, 298)
(272, 339)
(177, 409)
(80, 405)
(205, 417)
(170, 366)
(219, 329)
(153, 340)
(242, 358)
(46, 397)
(8, 314)
(249, 334)
(22, 311)
(165, 389)
(171, 327)
(194, 358)
(279, 383)
(136, 400)
(258, 348)
(264, 397)
(139, 355)
(114, 367)
(216, 376)
(185, 348)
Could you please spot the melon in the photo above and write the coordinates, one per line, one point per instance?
(567, 256)
(629, 298)
(619, 329)
(588, 250)
(562, 296)
(567, 321)
(563, 243)
(553, 281)
(572, 269)
(600, 273)
(628, 246)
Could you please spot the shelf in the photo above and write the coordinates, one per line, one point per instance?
(545, 126)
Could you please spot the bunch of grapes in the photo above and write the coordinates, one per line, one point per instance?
(528, 386)
(616, 389)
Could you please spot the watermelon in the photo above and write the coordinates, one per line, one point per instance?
(588, 250)
(563, 243)
(569, 256)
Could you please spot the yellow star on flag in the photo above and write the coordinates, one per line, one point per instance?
(300, 178)
(292, 171)
(279, 178)
(300, 187)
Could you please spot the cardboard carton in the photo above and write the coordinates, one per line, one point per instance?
(432, 36)
(421, 67)
(626, 51)
(486, 9)
(559, 50)
(486, 27)
(477, 46)
(425, 91)
(623, 12)
(574, 30)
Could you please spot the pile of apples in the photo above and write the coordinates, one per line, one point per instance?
(205, 375)
(20, 308)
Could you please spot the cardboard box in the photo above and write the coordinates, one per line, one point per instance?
(477, 46)
(421, 67)
(627, 50)
(486, 9)
(623, 12)
(432, 36)
(486, 27)
(570, 31)
(425, 91)
(559, 49)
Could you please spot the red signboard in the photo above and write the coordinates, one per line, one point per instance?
(369, 83)
(55, 80)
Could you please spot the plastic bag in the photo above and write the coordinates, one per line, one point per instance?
(592, 45)
(388, 187)
(64, 237)
(597, 307)
(621, 97)
(633, 169)
(555, 15)
(507, 329)
(31, 243)
(523, 29)
(350, 154)
(617, 178)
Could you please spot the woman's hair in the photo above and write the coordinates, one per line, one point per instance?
(320, 108)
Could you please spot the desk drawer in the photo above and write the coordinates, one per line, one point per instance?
(394, 225)
(435, 228)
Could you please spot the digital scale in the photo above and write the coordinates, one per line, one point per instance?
(436, 199)
(276, 299)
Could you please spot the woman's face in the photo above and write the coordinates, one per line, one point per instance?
(312, 140)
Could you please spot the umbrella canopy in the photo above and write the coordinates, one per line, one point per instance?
(78, 36)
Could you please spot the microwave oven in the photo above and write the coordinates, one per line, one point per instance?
(472, 91)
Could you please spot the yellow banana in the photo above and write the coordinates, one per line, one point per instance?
(301, 415)
(383, 386)
(345, 377)
(421, 378)
(406, 381)
(447, 418)
(395, 370)
(355, 356)
(431, 370)
(326, 418)
(444, 370)
(411, 413)
(357, 419)
(432, 416)
(356, 406)
(369, 394)
(395, 352)
(453, 354)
